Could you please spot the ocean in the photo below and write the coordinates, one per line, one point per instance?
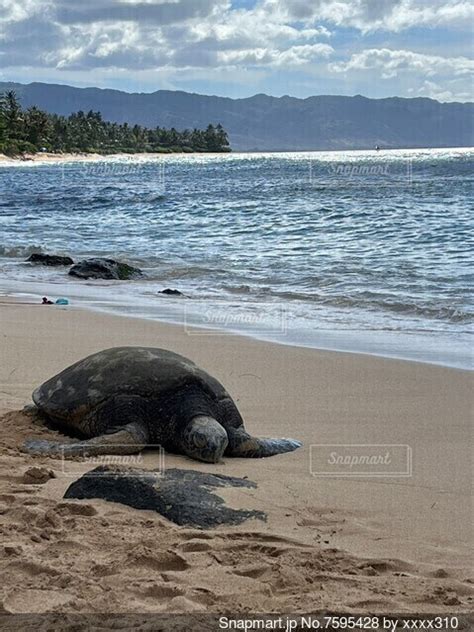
(363, 251)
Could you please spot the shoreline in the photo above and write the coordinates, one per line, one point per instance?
(177, 312)
(375, 544)
(94, 157)
(17, 299)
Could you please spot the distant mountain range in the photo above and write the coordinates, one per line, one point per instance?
(267, 123)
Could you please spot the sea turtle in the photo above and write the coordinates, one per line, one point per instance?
(122, 399)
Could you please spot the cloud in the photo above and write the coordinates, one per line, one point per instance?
(158, 11)
(283, 39)
(294, 56)
(127, 34)
(373, 15)
(391, 62)
(441, 78)
(14, 11)
(453, 91)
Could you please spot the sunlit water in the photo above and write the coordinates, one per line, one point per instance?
(357, 251)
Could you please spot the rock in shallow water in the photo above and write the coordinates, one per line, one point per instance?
(49, 260)
(182, 496)
(100, 268)
(171, 292)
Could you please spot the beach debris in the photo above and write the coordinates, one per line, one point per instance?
(182, 496)
(168, 291)
(59, 301)
(100, 268)
(127, 398)
(49, 260)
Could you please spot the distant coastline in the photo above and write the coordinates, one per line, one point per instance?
(53, 158)
(89, 157)
(25, 132)
(260, 123)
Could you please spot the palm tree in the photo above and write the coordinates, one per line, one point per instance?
(33, 129)
(13, 115)
(38, 127)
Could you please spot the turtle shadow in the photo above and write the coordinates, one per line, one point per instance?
(182, 496)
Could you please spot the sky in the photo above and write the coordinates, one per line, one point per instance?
(237, 48)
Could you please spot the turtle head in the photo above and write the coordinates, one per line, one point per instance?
(205, 439)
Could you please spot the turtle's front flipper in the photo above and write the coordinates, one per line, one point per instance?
(130, 439)
(241, 444)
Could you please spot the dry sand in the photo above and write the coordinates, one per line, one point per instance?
(344, 544)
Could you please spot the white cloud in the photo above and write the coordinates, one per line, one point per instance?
(372, 15)
(14, 11)
(201, 37)
(294, 56)
(441, 78)
(147, 34)
(455, 91)
(391, 62)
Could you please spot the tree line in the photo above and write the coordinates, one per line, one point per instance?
(33, 130)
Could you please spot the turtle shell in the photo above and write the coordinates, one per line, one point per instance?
(144, 371)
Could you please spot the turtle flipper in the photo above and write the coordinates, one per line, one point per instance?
(130, 439)
(241, 444)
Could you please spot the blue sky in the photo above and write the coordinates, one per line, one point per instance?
(238, 48)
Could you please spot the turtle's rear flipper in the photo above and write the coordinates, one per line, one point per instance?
(130, 439)
(241, 444)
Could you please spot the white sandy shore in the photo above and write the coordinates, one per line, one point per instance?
(87, 157)
(367, 544)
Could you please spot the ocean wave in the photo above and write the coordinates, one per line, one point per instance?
(258, 230)
(191, 272)
(364, 301)
(16, 252)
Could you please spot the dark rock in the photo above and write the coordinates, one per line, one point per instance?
(49, 260)
(100, 268)
(182, 496)
(170, 292)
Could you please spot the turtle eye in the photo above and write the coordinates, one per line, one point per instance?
(199, 440)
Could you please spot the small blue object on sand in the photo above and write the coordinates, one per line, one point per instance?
(62, 301)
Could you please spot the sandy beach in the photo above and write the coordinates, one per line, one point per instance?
(47, 157)
(348, 544)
